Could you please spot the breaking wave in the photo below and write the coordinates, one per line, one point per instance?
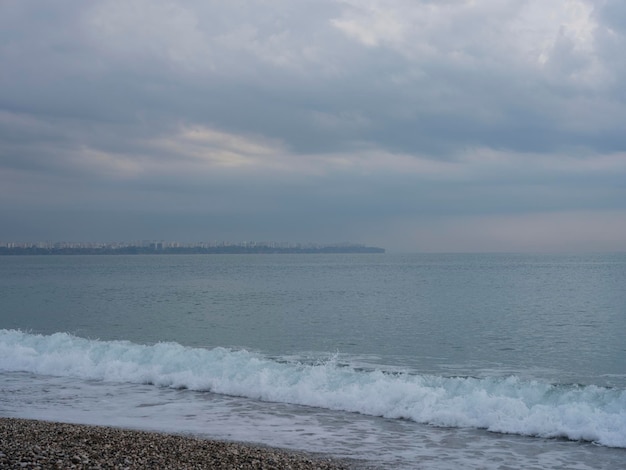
(505, 405)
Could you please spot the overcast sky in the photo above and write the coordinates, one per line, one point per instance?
(416, 125)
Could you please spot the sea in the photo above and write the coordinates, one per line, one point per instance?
(390, 361)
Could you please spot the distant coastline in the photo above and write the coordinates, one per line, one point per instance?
(198, 249)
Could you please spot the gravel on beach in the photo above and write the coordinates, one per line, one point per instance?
(41, 444)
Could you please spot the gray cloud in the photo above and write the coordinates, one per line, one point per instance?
(331, 119)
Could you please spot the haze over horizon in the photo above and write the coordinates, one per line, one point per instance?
(486, 125)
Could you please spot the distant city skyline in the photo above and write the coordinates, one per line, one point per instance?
(171, 244)
(174, 247)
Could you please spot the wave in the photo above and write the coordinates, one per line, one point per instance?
(506, 405)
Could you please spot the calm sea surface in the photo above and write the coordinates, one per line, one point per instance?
(484, 361)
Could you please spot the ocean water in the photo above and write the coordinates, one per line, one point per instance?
(395, 361)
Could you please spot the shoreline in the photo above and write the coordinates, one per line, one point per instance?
(26, 443)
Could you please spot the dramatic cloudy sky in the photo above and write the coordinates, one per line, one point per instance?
(417, 125)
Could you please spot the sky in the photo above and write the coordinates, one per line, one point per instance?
(415, 125)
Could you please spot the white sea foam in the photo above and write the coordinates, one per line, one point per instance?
(507, 405)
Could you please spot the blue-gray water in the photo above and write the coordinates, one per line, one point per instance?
(325, 353)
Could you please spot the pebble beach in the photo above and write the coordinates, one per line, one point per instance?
(40, 444)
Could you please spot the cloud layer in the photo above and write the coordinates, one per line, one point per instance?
(417, 125)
